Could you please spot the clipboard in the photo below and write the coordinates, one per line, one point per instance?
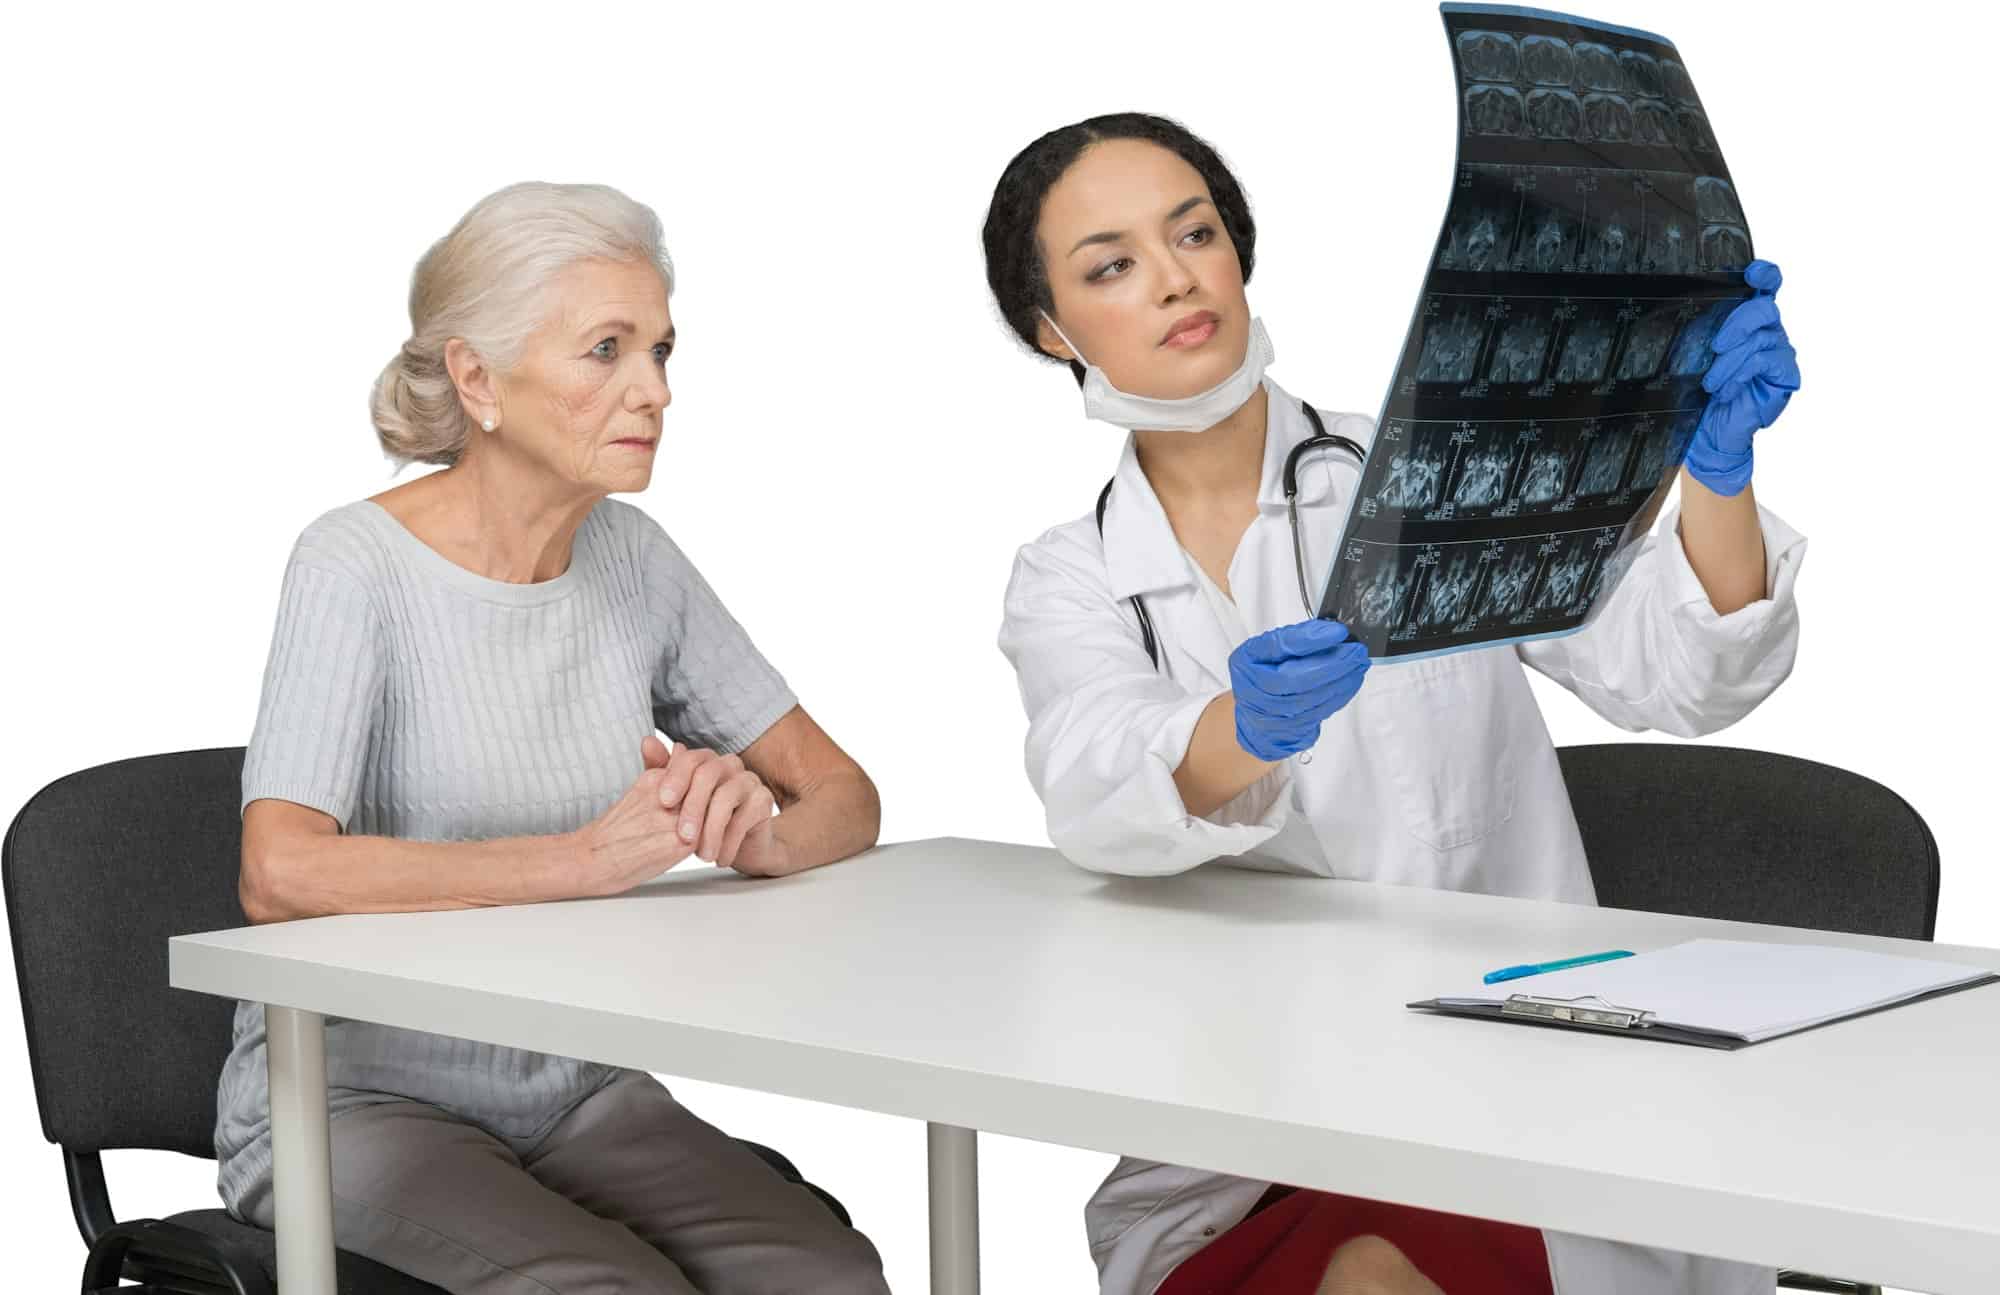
(1627, 1017)
(1586, 1013)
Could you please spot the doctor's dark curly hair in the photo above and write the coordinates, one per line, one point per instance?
(1015, 270)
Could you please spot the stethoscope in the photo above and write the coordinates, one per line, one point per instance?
(1320, 439)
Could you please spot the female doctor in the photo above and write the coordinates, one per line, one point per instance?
(1262, 737)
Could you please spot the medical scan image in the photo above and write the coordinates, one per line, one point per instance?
(1679, 85)
(1484, 469)
(1653, 124)
(1507, 585)
(1613, 237)
(1651, 464)
(1694, 349)
(1451, 345)
(1725, 247)
(1417, 466)
(1519, 346)
(1680, 433)
(1585, 356)
(1608, 572)
(1495, 110)
(1604, 459)
(1693, 130)
(1549, 382)
(1562, 582)
(1543, 475)
(1447, 595)
(1546, 60)
(1479, 235)
(1642, 73)
(1379, 600)
(1550, 232)
(1489, 56)
(1413, 481)
(1670, 241)
(1715, 201)
(1597, 67)
(1645, 346)
(1555, 114)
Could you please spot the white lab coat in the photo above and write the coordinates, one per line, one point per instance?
(1439, 773)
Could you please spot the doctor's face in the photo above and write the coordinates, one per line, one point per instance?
(1144, 277)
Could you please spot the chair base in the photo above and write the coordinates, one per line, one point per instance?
(208, 1252)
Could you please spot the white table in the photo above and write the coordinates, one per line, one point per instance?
(1227, 1019)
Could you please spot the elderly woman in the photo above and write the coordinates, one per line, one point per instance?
(459, 709)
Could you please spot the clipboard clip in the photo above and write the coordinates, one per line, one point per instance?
(1587, 1010)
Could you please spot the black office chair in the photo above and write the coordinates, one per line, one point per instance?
(99, 868)
(1749, 836)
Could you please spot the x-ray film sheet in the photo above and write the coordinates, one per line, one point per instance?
(1551, 378)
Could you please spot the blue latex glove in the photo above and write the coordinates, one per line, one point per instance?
(1287, 680)
(1754, 374)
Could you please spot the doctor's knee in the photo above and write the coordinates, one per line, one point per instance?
(1370, 1265)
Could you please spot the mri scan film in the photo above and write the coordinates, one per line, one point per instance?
(1550, 379)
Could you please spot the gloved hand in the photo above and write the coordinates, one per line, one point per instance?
(1754, 374)
(1289, 679)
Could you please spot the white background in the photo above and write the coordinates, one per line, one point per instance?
(213, 220)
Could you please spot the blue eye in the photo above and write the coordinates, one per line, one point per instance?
(661, 352)
(599, 351)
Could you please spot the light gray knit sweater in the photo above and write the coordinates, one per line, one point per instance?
(407, 696)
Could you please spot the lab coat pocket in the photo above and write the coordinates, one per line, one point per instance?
(1442, 733)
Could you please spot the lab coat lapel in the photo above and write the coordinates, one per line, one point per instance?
(1264, 576)
(1143, 557)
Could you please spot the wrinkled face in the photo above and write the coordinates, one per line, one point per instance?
(1145, 280)
(584, 400)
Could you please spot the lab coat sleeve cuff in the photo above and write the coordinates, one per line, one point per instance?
(1695, 617)
(1661, 657)
(1142, 828)
(1718, 668)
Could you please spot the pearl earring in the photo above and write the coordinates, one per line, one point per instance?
(488, 424)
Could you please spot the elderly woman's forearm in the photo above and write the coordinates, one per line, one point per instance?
(837, 817)
(317, 875)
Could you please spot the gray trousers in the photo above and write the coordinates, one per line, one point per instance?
(628, 1193)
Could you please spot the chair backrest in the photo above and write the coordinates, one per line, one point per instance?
(1751, 836)
(99, 868)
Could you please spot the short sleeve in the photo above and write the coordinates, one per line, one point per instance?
(712, 688)
(323, 682)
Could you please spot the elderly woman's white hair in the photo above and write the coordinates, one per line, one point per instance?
(484, 282)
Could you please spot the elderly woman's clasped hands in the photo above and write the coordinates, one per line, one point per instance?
(688, 802)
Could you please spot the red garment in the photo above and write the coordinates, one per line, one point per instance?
(1284, 1245)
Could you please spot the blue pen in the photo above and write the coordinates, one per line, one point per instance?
(1537, 968)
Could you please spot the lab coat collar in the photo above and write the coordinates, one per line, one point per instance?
(1286, 426)
(1141, 552)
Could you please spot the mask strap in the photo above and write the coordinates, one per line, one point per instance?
(1074, 348)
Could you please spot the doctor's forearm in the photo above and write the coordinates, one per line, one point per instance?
(1216, 769)
(1724, 542)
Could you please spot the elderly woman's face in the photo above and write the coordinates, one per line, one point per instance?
(585, 398)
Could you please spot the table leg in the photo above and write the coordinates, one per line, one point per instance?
(302, 1168)
(954, 1210)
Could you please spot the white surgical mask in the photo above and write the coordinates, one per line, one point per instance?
(1196, 413)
